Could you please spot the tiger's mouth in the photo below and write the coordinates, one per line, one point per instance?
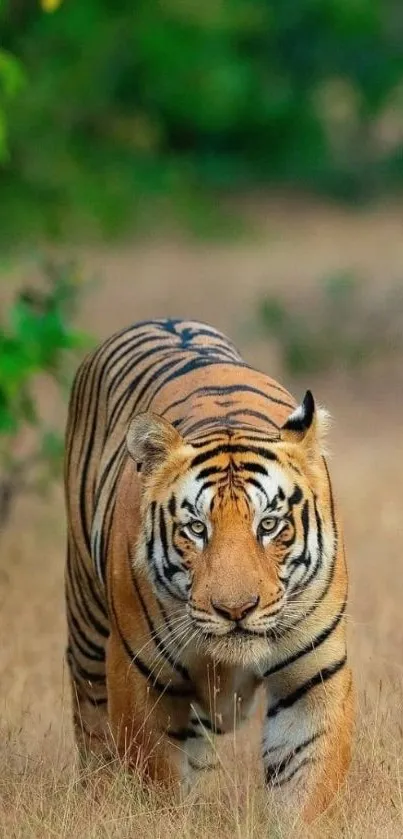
(239, 641)
(239, 646)
(242, 633)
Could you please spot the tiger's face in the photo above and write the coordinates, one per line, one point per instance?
(233, 530)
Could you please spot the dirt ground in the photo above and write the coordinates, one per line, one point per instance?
(296, 248)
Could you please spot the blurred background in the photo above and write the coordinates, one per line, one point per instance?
(111, 112)
(235, 161)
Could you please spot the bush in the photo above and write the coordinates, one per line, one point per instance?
(37, 340)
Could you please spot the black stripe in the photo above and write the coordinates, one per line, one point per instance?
(82, 501)
(96, 701)
(318, 600)
(96, 650)
(305, 762)
(319, 678)
(186, 505)
(164, 584)
(107, 470)
(313, 645)
(181, 735)
(84, 644)
(296, 496)
(273, 770)
(319, 530)
(207, 471)
(172, 506)
(86, 675)
(108, 511)
(234, 449)
(73, 599)
(317, 567)
(332, 505)
(203, 488)
(77, 646)
(304, 557)
(80, 600)
(255, 468)
(84, 573)
(209, 439)
(170, 569)
(204, 722)
(254, 482)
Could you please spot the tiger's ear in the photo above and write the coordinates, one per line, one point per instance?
(307, 426)
(150, 439)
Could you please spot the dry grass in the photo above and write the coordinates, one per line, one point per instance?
(41, 796)
(39, 793)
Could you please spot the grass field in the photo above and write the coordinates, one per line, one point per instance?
(39, 796)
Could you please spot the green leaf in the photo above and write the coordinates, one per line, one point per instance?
(12, 77)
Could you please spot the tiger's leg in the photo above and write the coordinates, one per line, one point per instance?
(91, 732)
(200, 745)
(228, 697)
(307, 737)
(149, 723)
(90, 723)
(87, 634)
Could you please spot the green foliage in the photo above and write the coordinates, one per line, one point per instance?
(11, 82)
(37, 341)
(338, 326)
(131, 101)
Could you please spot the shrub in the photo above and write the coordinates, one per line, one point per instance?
(37, 341)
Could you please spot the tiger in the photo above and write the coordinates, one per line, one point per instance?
(205, 564)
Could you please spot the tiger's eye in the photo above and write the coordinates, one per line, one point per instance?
(197, 527)
(268, 524)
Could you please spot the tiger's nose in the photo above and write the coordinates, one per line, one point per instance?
(238, 611)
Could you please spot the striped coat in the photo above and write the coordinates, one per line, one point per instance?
(205, 559)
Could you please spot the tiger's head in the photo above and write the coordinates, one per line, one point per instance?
(236, 527)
